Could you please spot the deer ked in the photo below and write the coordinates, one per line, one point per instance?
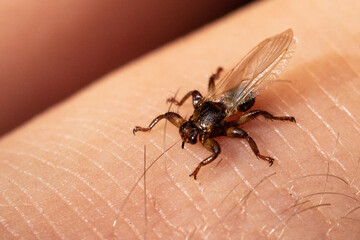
(225, 109)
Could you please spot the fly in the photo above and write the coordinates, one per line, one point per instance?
(226, 107)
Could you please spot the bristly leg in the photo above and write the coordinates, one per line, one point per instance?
(211, 145)
(196, 98)
(253, 114)
(235, 132)
(196, 95)
(174, 118)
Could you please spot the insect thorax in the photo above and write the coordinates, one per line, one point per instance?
(208, 115)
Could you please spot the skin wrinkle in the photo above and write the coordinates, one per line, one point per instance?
(159, 210)
(136, 231)
(161, 213)
(182, 189)
(37, 206)
(96, 148)
(317, 175)
(97, 130)
(23, 216)
(274, 129)
(354, 219)
(308, 132)
(333, 99)
(353, 87)
(197, 207)
(342, 108)
(132, 227)
(242, 200)
(186, 194)
(269, 204)
(301, 211)
(332, 131)
(265, 203)
(294, 206)
(60, 195)
(331, 193)
(325, 175)
(356, 74)
(352, 210)
(338, 140)
(323, 193)
(76, 175)
(161, 148)
(337, 223)
(90, 201)
(90, 159)
(284, 223)
(342, 56)
(8, 229)
(106, 125)
(275, 185)
(355, 175)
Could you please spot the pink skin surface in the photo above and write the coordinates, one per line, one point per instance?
(66, 173)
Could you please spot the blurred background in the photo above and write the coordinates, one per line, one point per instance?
(51, 49)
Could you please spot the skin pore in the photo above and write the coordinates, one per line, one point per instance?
(66, 173)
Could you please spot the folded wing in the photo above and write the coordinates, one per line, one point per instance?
(259, 68)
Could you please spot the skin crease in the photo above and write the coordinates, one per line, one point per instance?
(66, 173)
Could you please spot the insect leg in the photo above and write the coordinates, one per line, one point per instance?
(235, 132)
(253, 114)
(196, 97)
(213, 77)
(174, 118)
(213, 147)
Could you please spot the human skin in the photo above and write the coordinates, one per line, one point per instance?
(67, 173)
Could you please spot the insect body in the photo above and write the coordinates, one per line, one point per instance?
(218, 113)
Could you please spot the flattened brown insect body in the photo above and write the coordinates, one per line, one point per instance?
(208, 117)
(235, 93)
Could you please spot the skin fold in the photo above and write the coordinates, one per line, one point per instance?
(66, 173)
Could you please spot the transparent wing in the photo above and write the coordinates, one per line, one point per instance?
(260, 67)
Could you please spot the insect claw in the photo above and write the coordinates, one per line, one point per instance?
(136, 129)
(170, 100)
(293, 119)
(193, 175)
(271, 162)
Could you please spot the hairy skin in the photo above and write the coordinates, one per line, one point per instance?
(66, 173)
